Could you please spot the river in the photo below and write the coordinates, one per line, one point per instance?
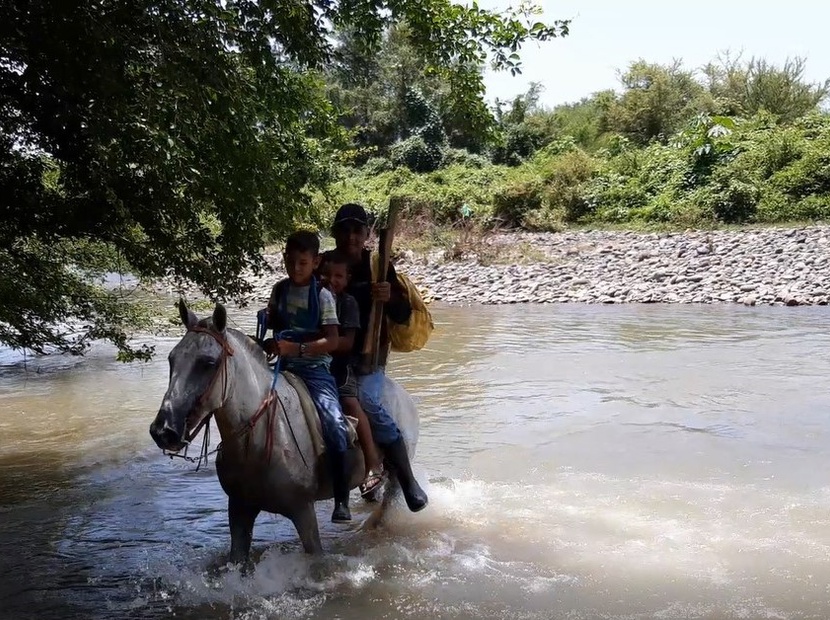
(582, 462)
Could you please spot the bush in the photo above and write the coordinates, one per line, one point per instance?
(512, 203)
(565, 177)
(518, 143)
(734, 200)
(376, 165)
(416, 155)
(461, 157)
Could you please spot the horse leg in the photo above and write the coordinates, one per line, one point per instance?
(241, 519)
(305, 521)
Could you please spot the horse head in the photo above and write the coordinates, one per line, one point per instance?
(198, 379)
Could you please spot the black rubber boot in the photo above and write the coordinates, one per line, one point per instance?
(398, 459)
(340, 482)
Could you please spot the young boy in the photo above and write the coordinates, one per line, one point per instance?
(305, 318)
(335, 272)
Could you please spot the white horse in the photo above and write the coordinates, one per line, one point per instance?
(267, 459)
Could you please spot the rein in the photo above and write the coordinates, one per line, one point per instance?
(267, 408)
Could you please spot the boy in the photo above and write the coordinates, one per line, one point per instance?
(336, 276)
(305, 318)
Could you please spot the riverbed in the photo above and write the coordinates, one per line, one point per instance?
(583, 461)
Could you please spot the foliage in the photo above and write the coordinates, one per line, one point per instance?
(416, 154)
(734, 143)
(178, 136)
(745, 89)
(656, 101)
(373, 86)
(715, 170)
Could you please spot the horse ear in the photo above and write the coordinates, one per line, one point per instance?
(189, 319)
(220, 318)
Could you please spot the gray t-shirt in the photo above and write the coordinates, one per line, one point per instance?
(348, 313)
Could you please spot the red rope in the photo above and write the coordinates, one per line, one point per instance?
(267, 408)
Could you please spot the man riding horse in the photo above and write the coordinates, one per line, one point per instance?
(350, 231)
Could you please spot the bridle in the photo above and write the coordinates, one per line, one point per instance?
(227, 351)
(266, 409)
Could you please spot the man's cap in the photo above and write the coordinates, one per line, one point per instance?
(351, 212)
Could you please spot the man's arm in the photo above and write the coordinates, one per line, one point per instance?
(398, 308)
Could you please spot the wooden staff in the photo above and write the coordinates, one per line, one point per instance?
(371, 346)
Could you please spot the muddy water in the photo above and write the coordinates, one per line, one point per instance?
(583, 462)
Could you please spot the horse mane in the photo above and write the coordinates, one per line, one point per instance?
(250, 344)
(240, 338)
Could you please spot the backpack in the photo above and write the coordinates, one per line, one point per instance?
(416, 332)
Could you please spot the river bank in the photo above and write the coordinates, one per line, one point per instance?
(773, 266)
(785, 266)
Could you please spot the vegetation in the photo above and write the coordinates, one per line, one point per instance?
(175, 137)
(734, 142)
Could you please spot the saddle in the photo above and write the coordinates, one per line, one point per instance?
(311, 416)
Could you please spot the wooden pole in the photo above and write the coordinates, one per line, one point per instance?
(371, 346)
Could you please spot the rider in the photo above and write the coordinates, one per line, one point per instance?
(335, 277)
(350, 231)
(304, 316)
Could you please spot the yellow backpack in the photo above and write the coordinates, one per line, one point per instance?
(413, 335)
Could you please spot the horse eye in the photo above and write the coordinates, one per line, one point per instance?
(207, 362)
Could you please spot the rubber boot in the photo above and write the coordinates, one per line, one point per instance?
(398, 458)
(340, 482)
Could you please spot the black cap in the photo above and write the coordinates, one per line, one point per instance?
(351, 212)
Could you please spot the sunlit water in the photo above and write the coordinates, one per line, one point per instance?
(582, 462)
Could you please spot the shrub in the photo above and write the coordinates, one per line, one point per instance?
(416, 155)
(512, 203)
(714, 171)
(376, 165)
(461, 157)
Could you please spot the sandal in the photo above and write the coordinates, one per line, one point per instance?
(372, 481)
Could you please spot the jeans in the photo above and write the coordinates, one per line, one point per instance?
(323, 390)
(369, 389)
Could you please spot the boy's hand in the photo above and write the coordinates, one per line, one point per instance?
(288, 349)
(269, 345)
(381, 291)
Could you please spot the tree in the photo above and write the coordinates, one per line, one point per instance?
(518, 139)
(656, 102)
(745, 89)
(370, 89)
(173, 137)
(586, 120)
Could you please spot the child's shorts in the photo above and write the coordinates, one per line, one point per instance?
(346, 382)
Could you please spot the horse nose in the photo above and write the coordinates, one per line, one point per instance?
(163, 432)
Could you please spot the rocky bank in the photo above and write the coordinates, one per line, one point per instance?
(774, 266)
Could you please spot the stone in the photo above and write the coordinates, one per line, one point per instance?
(770, 266)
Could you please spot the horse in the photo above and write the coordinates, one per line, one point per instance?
(267, 460)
